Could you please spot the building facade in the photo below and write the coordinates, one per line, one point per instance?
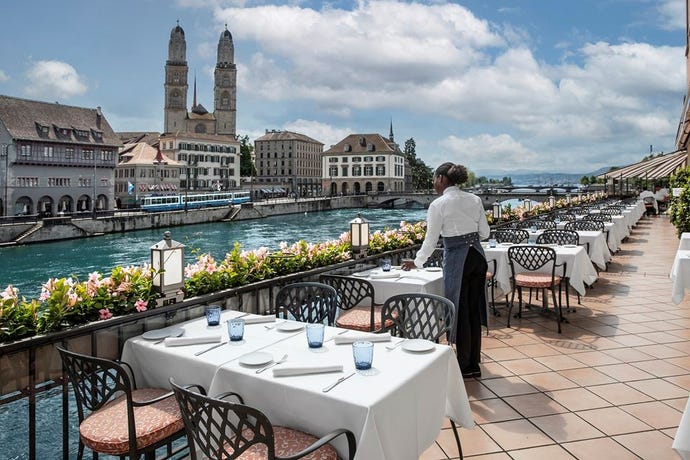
(288, 163)
(364, 163)
(55, 159)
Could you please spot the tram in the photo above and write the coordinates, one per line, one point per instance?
(200, 200)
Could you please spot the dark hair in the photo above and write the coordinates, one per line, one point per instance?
(456, 174)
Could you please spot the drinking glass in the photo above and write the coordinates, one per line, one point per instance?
(213, 315)
(492, 243)
(315, 335)
(386, 265)
(236, 329)
(363, 353)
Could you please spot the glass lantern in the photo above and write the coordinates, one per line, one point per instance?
(497, 211)
(167, 262)
(359, 236)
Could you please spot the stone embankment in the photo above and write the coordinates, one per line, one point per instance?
(61, 228)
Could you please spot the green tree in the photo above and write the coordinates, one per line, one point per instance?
(247, 167)
(584, 180)
(422, 176)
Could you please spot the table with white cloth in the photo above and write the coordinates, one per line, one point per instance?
(579, 268)
(598, 249)
(680, 275)
(396, 409)
(397, 281)
(681, 441)
(684, 243)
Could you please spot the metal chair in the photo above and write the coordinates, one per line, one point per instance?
(124, 420)
(435, 259)
(598, 217)
(511, 235)
(539, 224)
(307, 302)
(356, 307)
(525, 261)
(560, 237)
(222, 429)
(422, 316)
(585, 225)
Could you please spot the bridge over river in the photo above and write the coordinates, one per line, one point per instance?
(422, 200)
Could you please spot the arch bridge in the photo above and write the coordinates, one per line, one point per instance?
(422, 200)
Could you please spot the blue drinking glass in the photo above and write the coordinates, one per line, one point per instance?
(213, 315)
(386, 265)
(363, 353)
(315, 335)
(236, 329)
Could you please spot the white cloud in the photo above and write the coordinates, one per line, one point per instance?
(486, 151)
(672, 14)
(3, 76)
(319, 131)
(54, 79)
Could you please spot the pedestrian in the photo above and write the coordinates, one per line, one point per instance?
(459, 218)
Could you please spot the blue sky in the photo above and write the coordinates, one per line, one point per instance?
(500, 86)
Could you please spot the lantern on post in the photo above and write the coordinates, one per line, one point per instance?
(497, 211)
(527, 204)
(568, 198)
(167, 263)
(359, 236)
(552, 202)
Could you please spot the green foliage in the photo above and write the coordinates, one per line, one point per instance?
(422, 175)
(679, 206)
(247, 167)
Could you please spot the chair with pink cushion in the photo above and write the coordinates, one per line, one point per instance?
(124, 420)
(356, 307)
(219, 428)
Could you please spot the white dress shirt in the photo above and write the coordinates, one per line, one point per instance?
(454, 213)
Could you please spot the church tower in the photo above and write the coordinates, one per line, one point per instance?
(225, 86)
(176, 82)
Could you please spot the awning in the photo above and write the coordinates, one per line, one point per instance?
(656, 168)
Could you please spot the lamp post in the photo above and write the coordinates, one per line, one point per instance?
(497, 211)
(568, 198)
(552, 202)
(167, 263)
(359, 237)
(527, 204)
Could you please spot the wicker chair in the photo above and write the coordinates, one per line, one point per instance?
(307, 302)
(356, 307)
(124, 420)
(223, 429)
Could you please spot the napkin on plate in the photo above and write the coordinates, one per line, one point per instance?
(305, 369)
(384, 275)
(351, 338)
(180, 341)
(259, 319)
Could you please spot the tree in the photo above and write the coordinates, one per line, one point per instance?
(247, 167)
(422, 176)
(584, 180)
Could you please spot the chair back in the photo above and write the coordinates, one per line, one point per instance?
(307, 302)
(598, 217)
(585, 225)
(351, 291)
(566, 216)
(581, 210)
(531, 258)
(419, 316)
(220, 428)
(539, 224)
(612, 211)
(435, 259)
(512, 235)
(559, 237)
(649, 200)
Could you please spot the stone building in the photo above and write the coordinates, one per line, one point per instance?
(55, 159)
(287, 163)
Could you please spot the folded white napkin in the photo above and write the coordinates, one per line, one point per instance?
(352, 338)
(180, 341)
(259, 319)
(305, 369)
(384, 275)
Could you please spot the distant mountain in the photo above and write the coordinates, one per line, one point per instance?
(541, 178)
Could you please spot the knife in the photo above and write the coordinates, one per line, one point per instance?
(337, 382)
(198, 353)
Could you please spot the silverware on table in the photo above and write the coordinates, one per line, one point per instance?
(275, 363)
(339, 333)
(198, 353)
(338, 382)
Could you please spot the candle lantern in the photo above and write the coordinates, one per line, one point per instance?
(167, 263)
(552, 202)
(497, 211)
(359, 236)
(527, 204)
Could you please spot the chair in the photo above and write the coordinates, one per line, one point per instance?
(307, 302)
(422, 316)
(356, 307)
(585, 225)
(598, 217)
(525, 261)
(435, 259)
(512, 235)
(560, 237)
(221, 429)
(649, 205)
(612, 211)
(124, 420)
(539, 224)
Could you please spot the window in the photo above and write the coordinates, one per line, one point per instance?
(356, 159)
(368, 170)
(368, 159)
(333, 171)
(69, 153)
(26, 151)
(87, 154)
(333, 160)
(47, 151)
(380, 170)
(357, 170)
(344, 160)
(380, 158)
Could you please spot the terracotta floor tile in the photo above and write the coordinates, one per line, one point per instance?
(586, 376)
(509, 386)
(594, 449)
(659, 389)
(559, 362)
(624, 372)
(538, 349)
(632, 340)
(649, 445)
(504, 353)
(516, 434)
(566, 427)
(474, 442)
(475, 390)
(496, 456)
(681, 361)
(595, 358)
(575, 399)
(524, 366)
(655, 413)
(628, 355)
(548, 381)
(677, 403)
(682, 381)
(492, 369)
(492, 410)
(613, 421)
(433, 453)
(661, 351)
(534, 405)
(553, 452)
(660, 368)
(619, 393)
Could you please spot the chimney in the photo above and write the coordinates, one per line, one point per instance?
(99, 116)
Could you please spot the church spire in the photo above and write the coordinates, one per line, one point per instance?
(390, 134)
(194, 104)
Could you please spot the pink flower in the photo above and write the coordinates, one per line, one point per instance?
(104, 313)
(140, 305)
(10, 293)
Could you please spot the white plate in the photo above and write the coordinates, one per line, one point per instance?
(506, 244)
(361, 274)
(418, 346)
(570, 245)
(258, 358)
(289, 326)
(434, 269)
(158, 334)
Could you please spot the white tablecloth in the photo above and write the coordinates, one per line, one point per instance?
(579, 266)
(598, 249)
(684, 243)
(396, 409)
(681, 442)
(421, 280)
(680, 275)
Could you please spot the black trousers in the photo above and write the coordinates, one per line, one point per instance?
(469, 329)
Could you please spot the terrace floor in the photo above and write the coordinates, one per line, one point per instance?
(613, 385)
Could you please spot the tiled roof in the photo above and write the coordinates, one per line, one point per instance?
(141, 153)
(360, 143)
(43, 121)
(132, 137)
(285, 136)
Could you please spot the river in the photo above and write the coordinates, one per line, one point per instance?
(27, 267)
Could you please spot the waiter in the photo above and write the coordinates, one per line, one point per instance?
(460, 219)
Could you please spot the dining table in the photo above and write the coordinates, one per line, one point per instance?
(680, 275)
(428, 280)
(684, 242)
(396, 409)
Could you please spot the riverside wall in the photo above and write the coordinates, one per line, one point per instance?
(61, 228)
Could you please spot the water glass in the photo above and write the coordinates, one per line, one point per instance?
(492, 243)
(363, 353)
(386, 265)
(315, 335)
(213, 315)
(236, 329)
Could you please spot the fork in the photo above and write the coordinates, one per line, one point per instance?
(280, 361)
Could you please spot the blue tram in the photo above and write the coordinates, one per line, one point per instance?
(200, 200)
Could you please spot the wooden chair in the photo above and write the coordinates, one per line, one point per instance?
(356, 307)
(307, 302)
(221, 429)
(124, 420)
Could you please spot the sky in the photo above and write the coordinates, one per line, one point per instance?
(501, 86)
